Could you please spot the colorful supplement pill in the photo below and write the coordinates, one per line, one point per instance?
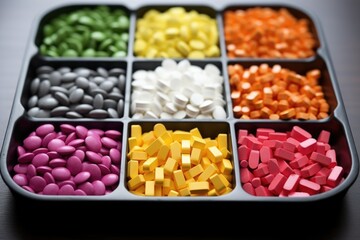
(75, 160)
(176, 33)
(280, 170)
(273, 92)
(178, 174)
(100, 31)
(263, 32)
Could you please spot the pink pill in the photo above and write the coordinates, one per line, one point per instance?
(72, 136)
(61, 137)
(43, 169)
(87, 187)
(66, 150)
(57, 162)
(104, 169)
(80, 154)
(106, 160)
(67, 182)
(79, 192)
(76, 143)
(66, 190)
(49, 178)
(21, 167)
(99, 187)
(74, 165)
(115, 155)
(114, 169)
(67, 128)
(335, 176)
(48, 138)
(40, 150)
(32, 142)
(37, 183)
(93, 157)
(81, 131)
(93, 133)
(93, 144)
(20, 150)
(26, 158)
(276, 185)
(110, 179)
(20, 179)
(113, 134)
(41, 159)
(31, 171)
(104, 151)
(94, 170)
(254, 158)
(53, 154)
(44, 129)
(61, 173)
(108, 142)
(51, 189)
(81, 177)
(55, 144)
(248, 187)
(27, 188)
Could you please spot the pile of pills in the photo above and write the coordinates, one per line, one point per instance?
(265, 92)
(77, 93)
(177, 91)
(87, 32)
(267, 33)
(73, 161)
(176, 33)
(165, 162)
(287, 164)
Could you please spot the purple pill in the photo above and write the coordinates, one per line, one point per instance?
(93, 133)
(115, 155)
(93, 157)
(37, 183)
(99, 187)
(40, 150)
(104, 151)
(76, 143)
(61, 137)
(48, 138)
(104, 169)
(81, 177)
(26, 158)
(55, 144)
(74, 165)
(32, 142)
(20, 179)
(67, 128)
(53, 154)
(80, 154)
(82, 148)
(113, 134)
(81, 131)
(20, 150)
(43, 169)
(114, 169)
(79, 192)
(61, 173)
(66, 150)
(87, 187)
(108, 142)
(67, 182)
(41, 159)
(31, 171)
(44, 129)
(49, 178)
(72, 136)
(57, 162)
(21, 168)
(94, 171)
(97, 131)
(93, 144)
(51, 189)
(66, 190)
(110, 179)
(27, 188)
(106, 160)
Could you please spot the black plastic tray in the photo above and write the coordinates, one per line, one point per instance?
(20, 124)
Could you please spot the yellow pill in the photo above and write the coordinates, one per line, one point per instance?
(149, 176)
(168, 185)
(133, 168)
(205, 162)
(184, 33)
(218, 183)
(163, 154)
(195, 156)
(196, 54)
(225, 166)
(159, 129)
(185, 162)
(154, 147)
(185, 146)
(132, 142)
(150, 164)
(184, 192)
(197, 45)
(158, 37)
(167, 138)
(139, 155)
(149, 188)
(199, 187)
(159, 175)
(139, 46)
(207, 173)
(183, 48)
(136, 132)
(151, 53)
(136, 182)
(198, 143)
(194, 171)
(181, 135)
(214, 154)
(171, 32)
(173, 193)
(196, 133)
(170, 166)
(158, 190)
(179, 179)
(175, 150)
(222, 141)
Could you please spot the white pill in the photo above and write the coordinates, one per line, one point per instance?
(183, 65)
(192, 111)
(139, 75)
(170, 108)
(219, 113)
(138, 116)
(203, 116)
(180, 100)
(165, 115)
(207, 106)
(150, 114)
(162, 98)
(156, 108)
(196, 99)
(211, 69)
(219, 101)
(180, 114)
(163, 85)
(142, 105)
(169, 64)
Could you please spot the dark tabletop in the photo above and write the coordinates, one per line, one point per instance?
(21, 219)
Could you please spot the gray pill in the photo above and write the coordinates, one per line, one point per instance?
(98, 113)
(96, 91)
(33, 101)
(115, 96)
(55, 78)
(55, 89)
(72, 114)
(44, 69)
(69, 77)
(82, 72)
(44, 76)
(44, 88)
(122, 81)
(43, 113)
(87, 99)
(102, 71)
(76, 95)
(98, 80)
(92, 86)
(120, 107)
(59, 111)
(109, 103)
(68, 85)
(48, 103)
(62, 98)
(82, 82)
(106, 85)
(98, 101)
(116, 71)
(34, 86)
(64, 70)
(112, 113)
(83, 108)
(33, 111)
(113, 79)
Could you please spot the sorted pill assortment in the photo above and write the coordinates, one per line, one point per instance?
(177, 71)
(287, 164)
(177, 91)
(263, 32)
(265, 92)
(176, 33)
(77, 93)
(87, 32)
(73, 161)
(173, 163)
